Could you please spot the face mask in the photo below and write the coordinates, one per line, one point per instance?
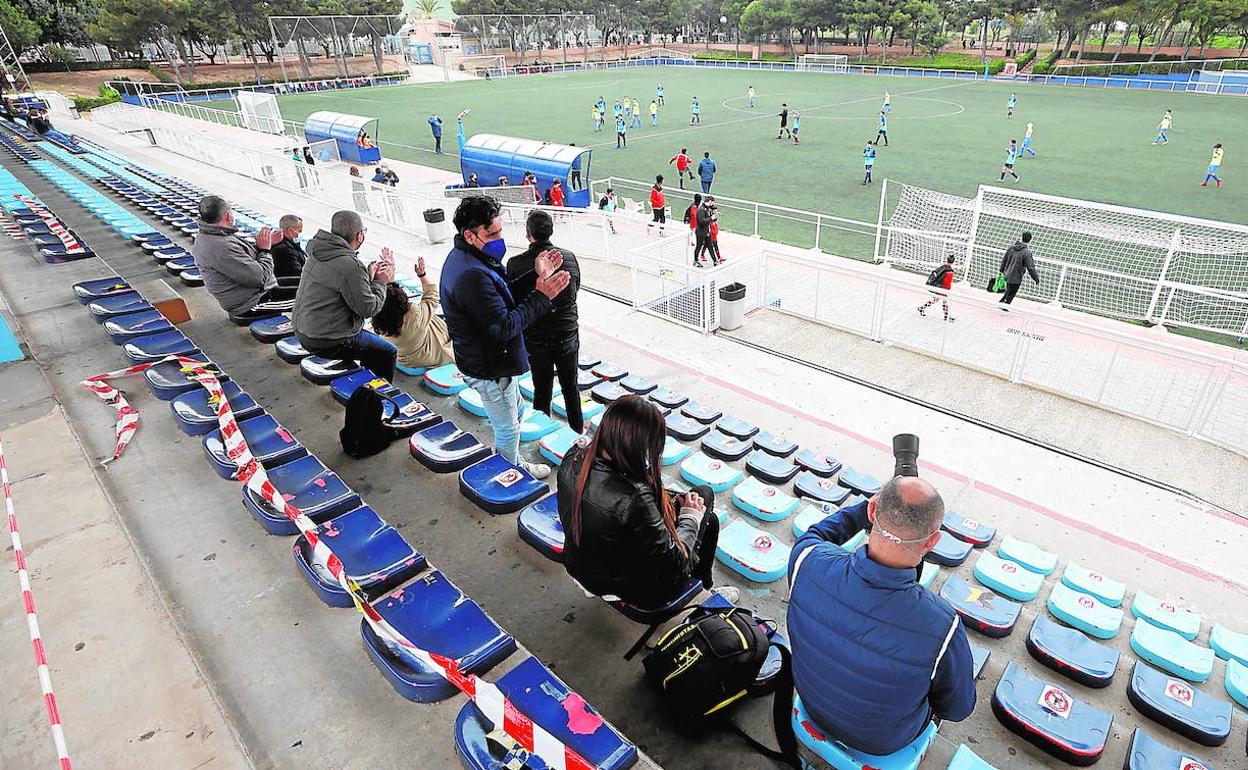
(495, 249)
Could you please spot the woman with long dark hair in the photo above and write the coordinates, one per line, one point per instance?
(625, 535)
(416, 330)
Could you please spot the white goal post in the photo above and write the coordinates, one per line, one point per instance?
(823, 62)
(662, 53)
(479, 66)
(259, 112)
(1219, 82)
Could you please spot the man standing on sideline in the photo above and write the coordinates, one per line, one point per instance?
(435, 125)
(706, 172)
(487, 318)
(1017, 262)
(553, 340)
(658, 204)
(288, 256)
(238, 275)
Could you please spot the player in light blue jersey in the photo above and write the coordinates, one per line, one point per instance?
(1010, 104)
(882, 131)
(868, 160)
(1011, 157)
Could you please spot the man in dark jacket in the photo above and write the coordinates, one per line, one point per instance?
(1015, 264)
(288, 256)
(876, 656)
(237, 274)
(702, 232)
(337, 293)
(487, 318)
(553, 340)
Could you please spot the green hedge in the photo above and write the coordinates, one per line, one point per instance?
(83, 66)
(944, 61)
(1046, 66)
(1025, 58)
(714, 54)
(88, 103)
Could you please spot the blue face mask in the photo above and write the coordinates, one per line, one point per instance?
(495, 249)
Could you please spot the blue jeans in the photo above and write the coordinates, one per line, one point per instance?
(501, 399)
(373, 353)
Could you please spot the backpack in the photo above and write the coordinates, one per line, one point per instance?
(936, 277)
(364, 432)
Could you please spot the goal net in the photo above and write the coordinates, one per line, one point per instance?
(479, 66)
(821, 62)
(669, 54)
(1220, 82)
(516, 194)
(259, 111)
(1111, 260)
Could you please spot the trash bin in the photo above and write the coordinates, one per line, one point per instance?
(435, 221)
(731, 306)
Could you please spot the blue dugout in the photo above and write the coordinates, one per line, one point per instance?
(344, 130)
(490, 156)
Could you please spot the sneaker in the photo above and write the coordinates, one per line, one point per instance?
(536, 470)
(1204, 184)
(923, 312)
(730, 594)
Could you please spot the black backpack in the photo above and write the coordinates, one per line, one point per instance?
(364, 433)
(936, 276)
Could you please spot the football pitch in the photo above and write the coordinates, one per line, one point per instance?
(945, 134)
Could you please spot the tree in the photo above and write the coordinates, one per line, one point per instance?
(22, 32)
(126, 24)
(1207, 18)
(768, 17)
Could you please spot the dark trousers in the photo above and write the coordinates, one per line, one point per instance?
(437, 143)
(701, 245)
(544, 363)
(706, 187)
(372, 352)
(881, 135)
(1011, 289)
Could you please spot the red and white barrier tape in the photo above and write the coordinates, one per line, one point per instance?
(55, 225)
(492, 702)
(32, 622)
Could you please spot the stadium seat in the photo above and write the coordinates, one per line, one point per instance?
(88, 291)
(1071, 653)
(270, 330)
(445, 380)
(700, 412)
(1004, 576)
(684, 428)
(470, 401)
(400, 412)
(605, 371)
(1237, 681)
(1084, 612)
(737, 428)
(813, 740)
(979, 659)
(635, 384)
(245, 318)
(268, 441)
(859, 540)
(749, 551)
(606, 392)
(1084, 580)
(724, 447)
(180, 265)
(668, 399)
(534, 425)
(169, 379)
(1173, 703)
(822, 465)
(555, 446)
(949, 551)
(154, 347)
(309, 486)
(980, 608)
(164, 256)
(412, 371)
(539, 526)
(1028, 555)
(373, 554)
(965, 759)
(191, 277)
(587, 361)
(444, 448)
(541, 696)
(674, 451)
(196, 411)
(1148, 753)
(525, 384)
(1166, 614)
(1050, 718)
(433, 614)
(716, 474)
(1170, 652)
(655, 615)
(319, 370)
(971, 530)
(586, 380)
(770, 468)
(114, 305)
(589, 407)
(290, 350)
(811, 515)
(124, 328)
(821, 489)
(862, 483)
(1228, 644)
(776, 445)
(496, 486)
(763, 501)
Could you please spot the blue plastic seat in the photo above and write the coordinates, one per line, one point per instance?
(526, 387)
(1084, 612)
(587, 361)
(433, 614)
(1228, 644)
(699, 469)
(269, 442)
(412, 371)
(966, 528)
(1148, 753)
(191, 277)
(1165, 614)
(114, 305)
(979, 659)
(861, 483)
(1177, 705)
(124, 328)
(821, 465)
(180, 265)
(949, 551)
(290, 350)
(750, 552)
(684, 428)
(965, 759)
(169, 254)
(635, 384)
(821, 489)
(548, 702)
(763, 501)
(555, 446)
(981, 608)
(1050, 718)
(534, 425)
(770, 468)
(1237, 681)
(87, 291)
(589, 407)
(445, 380)
(196, 410)
(586, 380)
(373, 554)
(1097, 584)
(1171, 652)
(169, 379)
(154, 347)
(812, 738)
(701, 412)
(668, 399)
(323, 371)
(309, 486)
(674, 451)
(539, 526)
(496, 486)
(811, 515)
(270, 330)
(610, 372)
(399, 412)
(1002, 575)
(607, 392)
(445, 448)
(724, 447)
(1071, 653)
(774, 444)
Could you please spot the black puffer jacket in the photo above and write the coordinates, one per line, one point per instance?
(625, 548)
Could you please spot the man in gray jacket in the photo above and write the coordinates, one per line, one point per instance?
(240, 276)
(337, 293)
(1016, 262)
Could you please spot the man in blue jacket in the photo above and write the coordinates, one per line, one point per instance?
(875, 655)
(435, 125)
(487, 320)
(706, 171)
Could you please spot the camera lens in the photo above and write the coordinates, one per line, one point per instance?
(906, 454)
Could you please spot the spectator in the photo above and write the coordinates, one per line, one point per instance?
(691, 213)
(553, 340)
(486, 317)
(713, 245)
(359, 192)
(940, 281)
(472, 181)
(337, 293)
(706, 171)
(415, 329)
(627, 536)
(288, 256)
(503, 181)
(608, 201)
(556, 194)
(383, 175)
(435, 125)
(237, 274)
(1015, 264)
(307, 156)
(658, 204)
(876, 656)
(702, 242)
(576, 170)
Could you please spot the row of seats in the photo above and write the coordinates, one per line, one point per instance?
(54, 240)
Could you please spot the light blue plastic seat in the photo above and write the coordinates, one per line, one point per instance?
(838, 756)
(1084, 612)
(1006, 577)
(1165, 614)
(1171, 652)
(750, 552)
(763, 501)
(699, 469)
(1032, 557)
(1095, 583)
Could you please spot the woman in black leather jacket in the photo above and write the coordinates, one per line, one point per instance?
(626, 535)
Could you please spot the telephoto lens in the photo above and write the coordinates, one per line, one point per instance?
(906, 454)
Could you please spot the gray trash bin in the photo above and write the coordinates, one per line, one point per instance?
(435, 222)
(731, 306)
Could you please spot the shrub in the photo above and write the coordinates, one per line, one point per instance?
(1025, 59)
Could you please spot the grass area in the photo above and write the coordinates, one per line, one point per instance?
(716, 54)
(941, 61)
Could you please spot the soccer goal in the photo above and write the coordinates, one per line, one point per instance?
(478, 66)
(670, 54)
(259, 111)
(520, 195)
(823, 62)
(1219, 82)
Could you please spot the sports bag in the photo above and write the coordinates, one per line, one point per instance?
(935, 277)
(364, 433)
(997, 285)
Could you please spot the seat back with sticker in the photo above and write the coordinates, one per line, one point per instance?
(1005, 577)
(445, 380)
(751, 552)
(1094, 582)
(1030, 556)
(1174, 703)
(716, 474)
(496, 486)
(1071, 653)
(980, 608)
(1049, 717)
(1166, 614)
(1148, 753)
(1084, 612)
(763, 501)
(821, 489)
(1171, 652)
(972, 530)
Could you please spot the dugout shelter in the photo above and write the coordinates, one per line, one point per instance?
(490, 156)
(343, 129)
